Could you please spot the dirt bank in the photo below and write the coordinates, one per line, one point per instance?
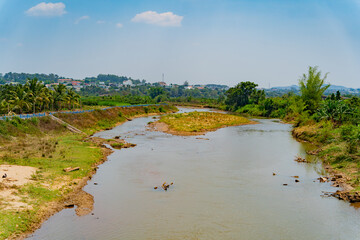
(344, 177)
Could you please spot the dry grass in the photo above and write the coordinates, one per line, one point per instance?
(199, 122)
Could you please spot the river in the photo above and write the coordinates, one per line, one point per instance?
(224, 188)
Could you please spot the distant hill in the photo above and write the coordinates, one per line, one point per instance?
(279, 91)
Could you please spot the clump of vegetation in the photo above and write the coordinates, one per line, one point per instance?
(33, 97)
(117, 145)
(197, 122)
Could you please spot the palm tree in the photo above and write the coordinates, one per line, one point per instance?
(4, 106)
(72, 98)
(19, 99)
(45, 98)
(34, 88)
(59, 94)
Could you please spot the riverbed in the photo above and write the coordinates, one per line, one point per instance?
(223, 188)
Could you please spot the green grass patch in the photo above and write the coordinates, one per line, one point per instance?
(201, 121)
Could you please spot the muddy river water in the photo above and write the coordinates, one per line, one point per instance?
(223, 189)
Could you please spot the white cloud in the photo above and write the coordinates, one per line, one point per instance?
(100, 22)
(166, 19)
(119, 25)
(47, 9)
(81, 19)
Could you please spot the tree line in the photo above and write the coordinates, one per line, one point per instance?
(33, 97)
(309, 104)
(23, 77)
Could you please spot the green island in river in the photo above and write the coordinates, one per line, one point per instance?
(197, 123)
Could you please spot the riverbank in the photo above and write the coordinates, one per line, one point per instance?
(49, 148)
(337, 147)
(196, 123)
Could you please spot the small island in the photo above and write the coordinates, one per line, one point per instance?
(197, 123)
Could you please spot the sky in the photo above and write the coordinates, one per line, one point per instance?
(271, 43)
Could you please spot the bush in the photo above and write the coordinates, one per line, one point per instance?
(326, 134)
(251, 109)
(34, 121)
(16, 121)
(348, 132)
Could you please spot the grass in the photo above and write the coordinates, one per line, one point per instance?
(194, 122)
(337, 147)
(50, 148)
(117, 145)
(69, 151)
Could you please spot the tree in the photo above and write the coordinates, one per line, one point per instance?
(239, 95)
(257, 96)
(71, 98)
(19, 99)
(338, 95)
(156, 91)
(34, 87)
(59, 94)
(332, 97)
(312, 88)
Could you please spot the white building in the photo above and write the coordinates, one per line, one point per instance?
(128, 83)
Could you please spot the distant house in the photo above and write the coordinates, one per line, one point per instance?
(77, 87)
(163, 84)
(75, 83)
(189, 87)
(128, 83)
(65, 80)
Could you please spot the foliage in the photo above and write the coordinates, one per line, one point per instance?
(334, 110)
(243, 94)
(22, 78)
(33, 97)
(312, 88)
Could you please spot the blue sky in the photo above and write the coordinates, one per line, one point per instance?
(200, 41)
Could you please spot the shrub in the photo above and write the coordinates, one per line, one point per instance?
(16, 121)
(35, 121)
